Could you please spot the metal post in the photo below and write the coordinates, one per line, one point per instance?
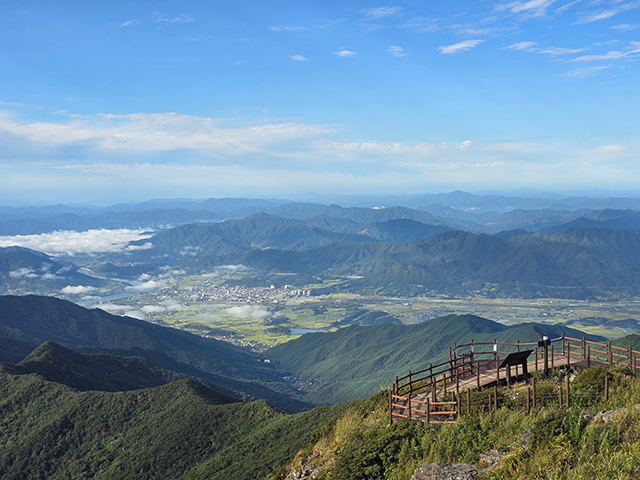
(546, 360)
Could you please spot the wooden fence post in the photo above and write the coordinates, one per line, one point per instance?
(568, 400)
(559, 396)
(606, 388)
(563, 344)
(495, 399)
(533, 385)
(536, 359)
(630, 359)
(468, 401)
(390, 406)
(589, 356)
(428, 411)
(551, 357)
(568, 355)
(490, 403)
(528, 399)
(409, 404)
(458, 405)
(478, 376)
(610, 356)
(584, 347)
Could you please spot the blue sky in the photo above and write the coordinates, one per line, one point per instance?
(117, 101)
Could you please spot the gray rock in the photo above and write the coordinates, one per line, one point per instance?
(587, 414)
(606, 417)
(443, 471)
(525, 437)
(491, 456)
(303, 471)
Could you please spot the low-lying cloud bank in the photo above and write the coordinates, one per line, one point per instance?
(66, 242)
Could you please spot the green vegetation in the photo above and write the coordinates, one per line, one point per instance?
(355, 361)
(563, 443)
(178, 430)
(37, 319)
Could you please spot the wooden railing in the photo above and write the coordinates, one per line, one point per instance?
(415, 396)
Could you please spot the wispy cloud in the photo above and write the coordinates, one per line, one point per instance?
(625, 27)
(343, 53)
(129, 23)
(374, 13)
(557, 51)
(532, 8)
(602, 14)
(286, 28)
(182, 18)
(459, 47)
(633, 50)
(584, 72)
(298, 58)
(526, 46)
(396, 51)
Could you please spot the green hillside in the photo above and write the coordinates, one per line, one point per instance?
(39, 319)
(27, 271)
(106, 373)
(179, 430)
(355, 362)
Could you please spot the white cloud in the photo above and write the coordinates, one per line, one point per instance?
(459, 47)
(584, 72)
(128, 23)
(140, 133)
(632, 50)
(374, 13)
(618, 7)
(182, 18)
(605, 153)
(298, 58)
(248, 312)
(286, 28)
(208, 316)
(77, 290)
(70, 243)
(555, 51)
(151, 284)
(342, 53)
(23, 273)
(533, 8)
(396, 51)
(527, 46)
(625, 27)
(137, 314)
(150, 309)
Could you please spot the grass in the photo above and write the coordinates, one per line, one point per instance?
(564, 444)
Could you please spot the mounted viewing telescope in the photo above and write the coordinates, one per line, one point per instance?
(544, 343)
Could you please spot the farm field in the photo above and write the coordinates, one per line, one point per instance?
(265, 316)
